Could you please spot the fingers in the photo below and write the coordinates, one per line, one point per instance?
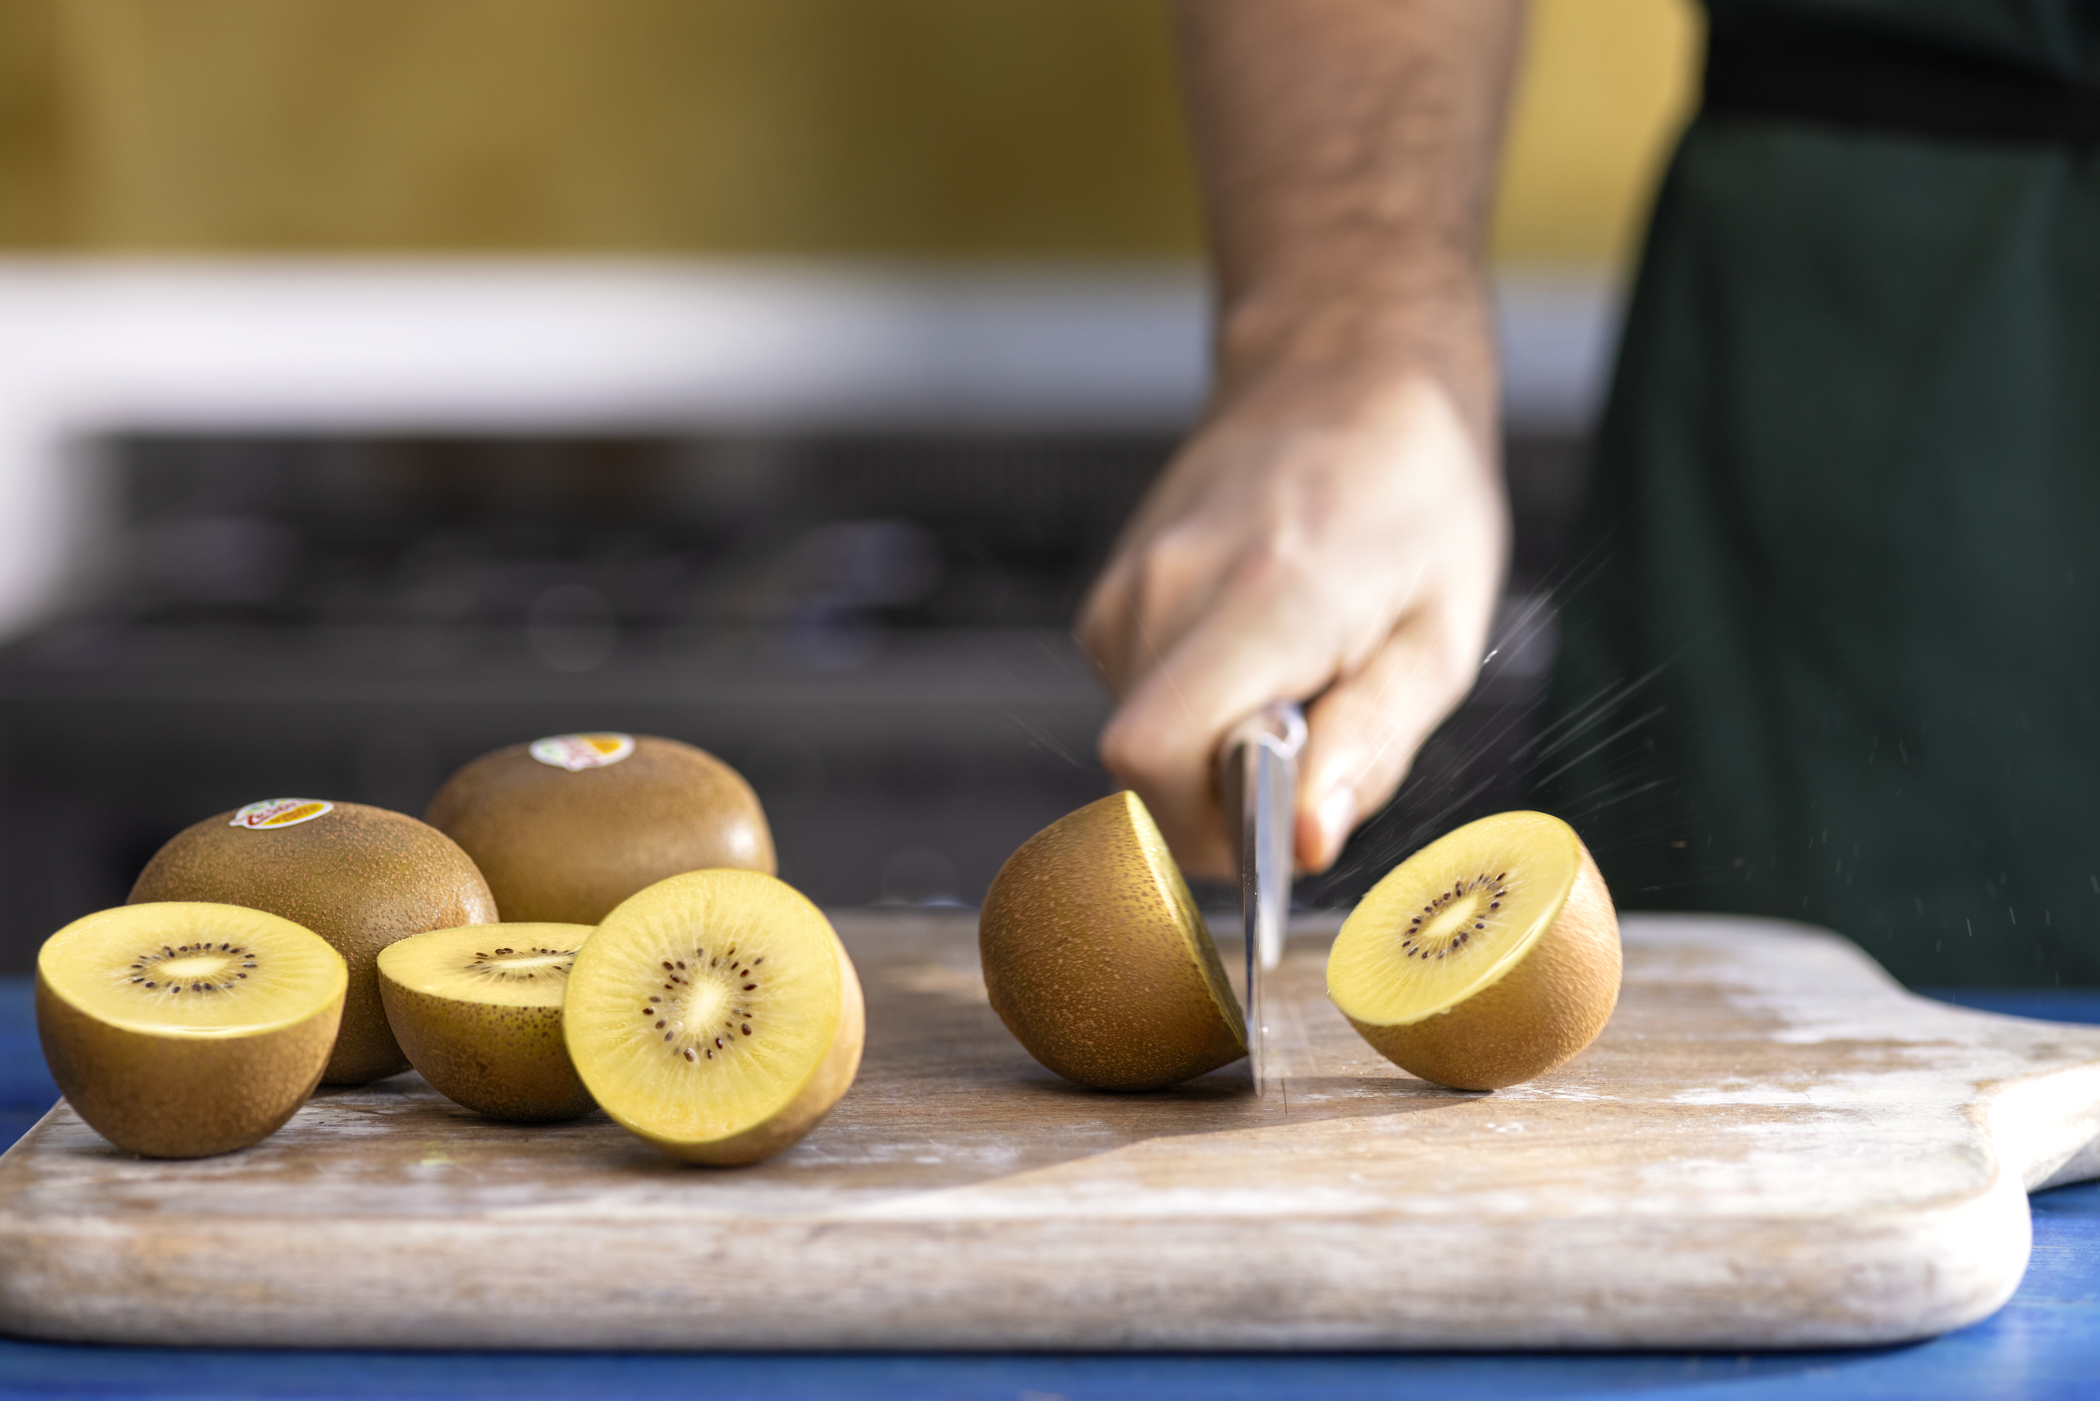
(1147, 597)
(1104, 625)
(1263, 638)
(1363, 733)
(1354, 560)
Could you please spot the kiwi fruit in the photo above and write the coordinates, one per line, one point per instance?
(716, 1015)
(360, 877)
(1486, 958)
(568, 826)
(478, 1010)
(186, 1029)
(1097, 960)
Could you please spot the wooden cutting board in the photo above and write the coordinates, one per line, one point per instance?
(1771, 1145)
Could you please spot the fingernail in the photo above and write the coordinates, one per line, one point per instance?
(1336, 815)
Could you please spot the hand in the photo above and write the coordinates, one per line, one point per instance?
(1332, 537)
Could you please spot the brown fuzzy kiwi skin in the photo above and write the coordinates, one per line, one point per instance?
(1088, 960)
(182, 1096)
(360, 877)
(505, 1062)
(832, 1078)
(564, 848)
(1534, 1017)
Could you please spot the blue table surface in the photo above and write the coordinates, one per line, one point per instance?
(2045, 1343)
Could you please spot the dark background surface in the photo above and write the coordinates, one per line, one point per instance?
(873, 628)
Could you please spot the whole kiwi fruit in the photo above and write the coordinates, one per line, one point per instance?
(567, 827)
(360, 877)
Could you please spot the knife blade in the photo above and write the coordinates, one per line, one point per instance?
(1258, 787)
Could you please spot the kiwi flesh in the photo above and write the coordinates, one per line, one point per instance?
(716, 1015)
(360, 877)
(182, 1030)
(1486, 958)
(1097, 959)
(478, 1010)
(565, 844)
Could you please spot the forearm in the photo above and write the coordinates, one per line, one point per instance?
(1347, 151)
(1334, 531)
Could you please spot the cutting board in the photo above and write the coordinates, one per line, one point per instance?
(1772, 1145)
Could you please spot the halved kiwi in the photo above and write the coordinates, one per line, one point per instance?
(716, 1015)
(1486, 958)
(180, 1030)
(568, 826)
(1097, 959)
(478, 1010)
(360, 877)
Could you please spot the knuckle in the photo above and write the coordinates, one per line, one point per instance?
(1171, 560)
(1276, 561)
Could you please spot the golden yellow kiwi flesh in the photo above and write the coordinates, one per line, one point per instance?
(716, 1015)
(1097, 960)
(181, 1030)
(568, 826)
(478, 1010)
(360, 877)
(1486, 958)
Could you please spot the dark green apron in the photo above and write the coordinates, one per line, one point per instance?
(1831, 629)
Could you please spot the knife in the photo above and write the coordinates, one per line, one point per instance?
(1258, 787)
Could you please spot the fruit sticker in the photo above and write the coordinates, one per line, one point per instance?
(573, 752)
(280, 812)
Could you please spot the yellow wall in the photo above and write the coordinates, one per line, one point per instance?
(1606, 85)
(851, 127)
